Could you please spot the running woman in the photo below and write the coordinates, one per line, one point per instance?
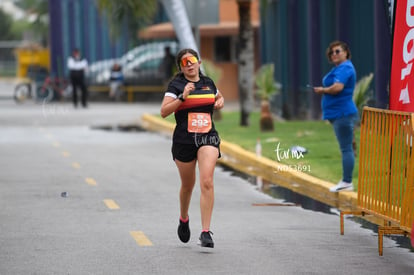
(193, 97)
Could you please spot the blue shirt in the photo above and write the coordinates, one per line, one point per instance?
(341, 104)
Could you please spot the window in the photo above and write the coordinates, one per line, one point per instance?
(224, 49)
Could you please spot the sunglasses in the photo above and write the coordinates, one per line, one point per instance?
(188, 61)
(335, 52)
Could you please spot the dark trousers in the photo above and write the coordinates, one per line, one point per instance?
(79, 82)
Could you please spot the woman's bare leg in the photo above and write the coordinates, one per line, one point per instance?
(207, 158)
(188, 177)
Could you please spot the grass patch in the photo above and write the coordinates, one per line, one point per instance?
(323, 157)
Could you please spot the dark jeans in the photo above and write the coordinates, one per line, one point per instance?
(344, 131)
(79, 83)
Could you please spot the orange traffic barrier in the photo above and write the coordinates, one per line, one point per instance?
(386, 171)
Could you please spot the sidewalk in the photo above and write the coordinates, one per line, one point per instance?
(7, 87)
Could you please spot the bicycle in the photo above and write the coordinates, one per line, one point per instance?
(54, 88)
(51, 88)
(22, 91)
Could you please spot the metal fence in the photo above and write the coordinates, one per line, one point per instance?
(7, 58)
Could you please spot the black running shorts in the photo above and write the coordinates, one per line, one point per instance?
(188, 152)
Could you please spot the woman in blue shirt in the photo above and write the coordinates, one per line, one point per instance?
(339, 108)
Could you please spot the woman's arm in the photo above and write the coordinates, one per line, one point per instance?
(169, 105)
(334, 89)
(219, 101)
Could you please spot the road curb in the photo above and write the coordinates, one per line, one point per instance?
(247, 162)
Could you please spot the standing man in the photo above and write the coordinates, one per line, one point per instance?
(77, 68)
(167, 65)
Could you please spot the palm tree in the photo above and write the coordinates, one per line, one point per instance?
(134, 13)
(362, 94)
(266, 87)
(245, 61)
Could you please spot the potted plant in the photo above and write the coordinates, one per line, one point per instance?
(362, 94)
(266, 87)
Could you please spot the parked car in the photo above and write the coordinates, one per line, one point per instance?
(139, 65)
(101, 65)
(145, 70)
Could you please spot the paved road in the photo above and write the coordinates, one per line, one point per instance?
(121, 209)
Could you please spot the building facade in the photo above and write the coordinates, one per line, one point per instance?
(292, 34)
(78, 24)
(217, 40)
(296, 33)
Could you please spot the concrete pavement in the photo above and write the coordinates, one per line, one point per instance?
(50, 149)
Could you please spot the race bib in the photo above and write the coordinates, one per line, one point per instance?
(199, 122)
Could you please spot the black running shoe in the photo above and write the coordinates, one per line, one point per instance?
(206, 240)
(184, 231)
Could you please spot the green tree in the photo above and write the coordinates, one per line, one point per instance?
(134, 14)
(40, 10)
(6, 26)
(6, 34)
